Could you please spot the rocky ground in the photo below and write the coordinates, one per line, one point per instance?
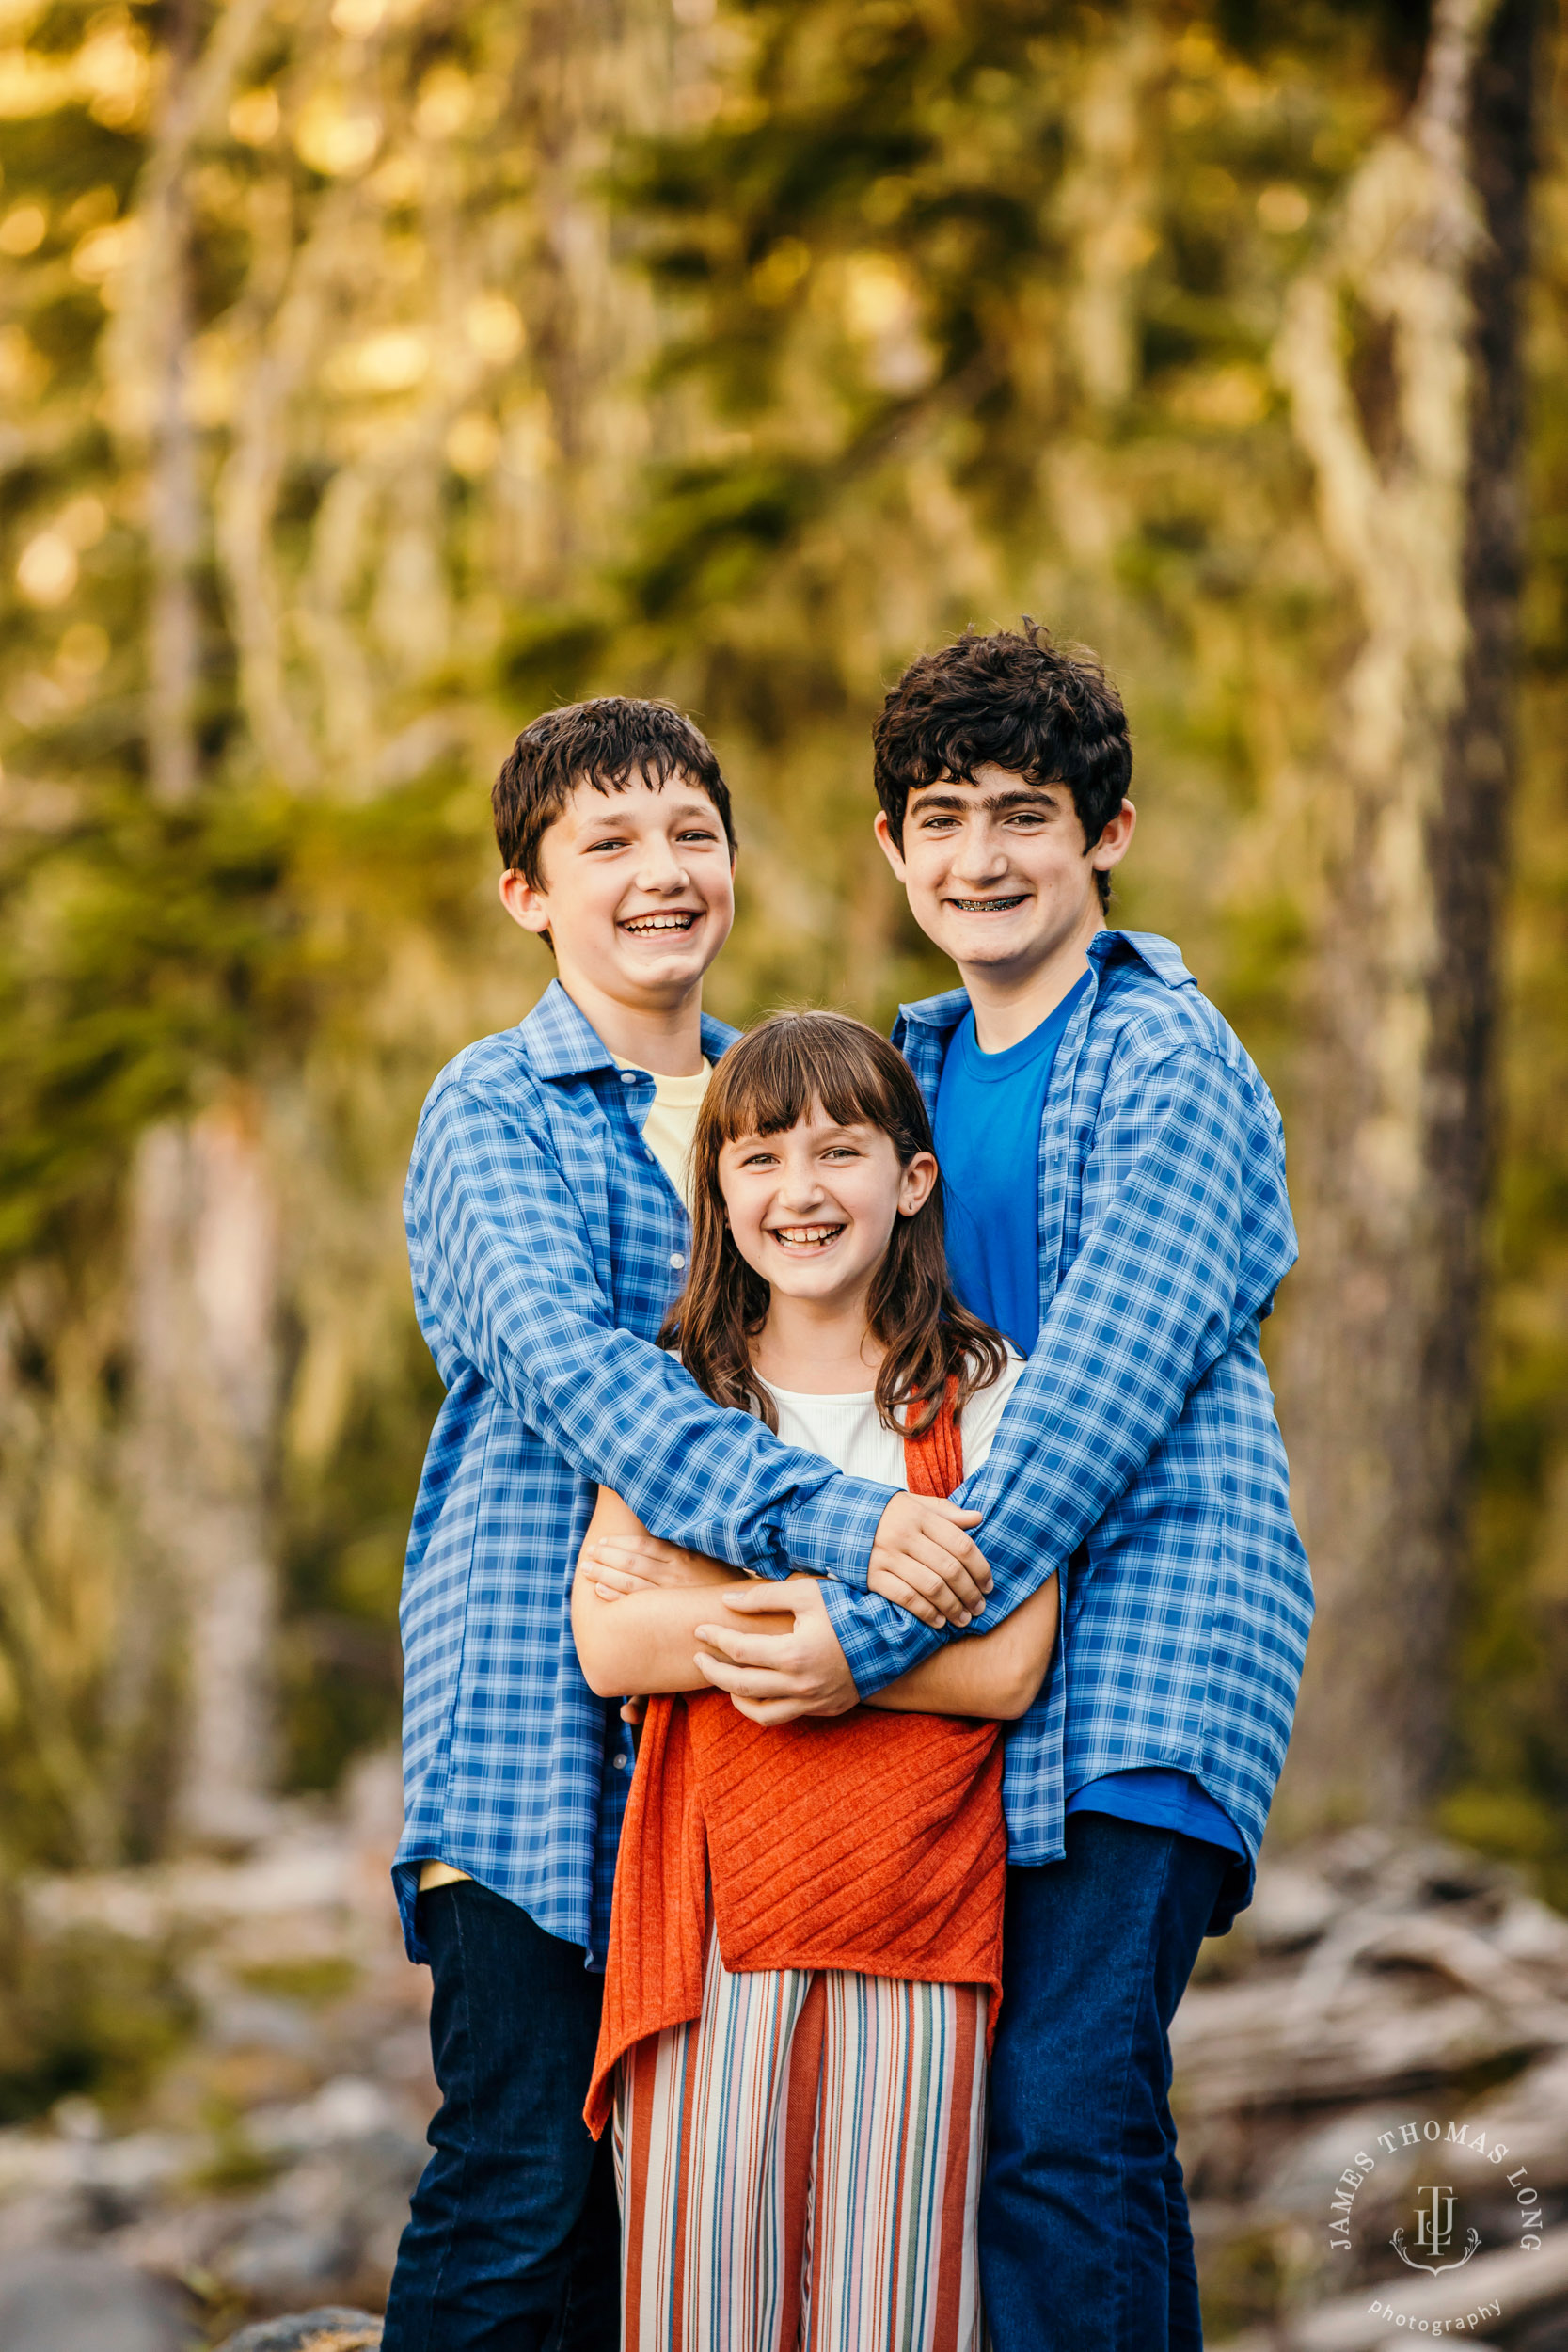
(1380, 2008)
(266, 2165)
(1386, 2021)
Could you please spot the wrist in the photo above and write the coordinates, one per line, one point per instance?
(831, 1531)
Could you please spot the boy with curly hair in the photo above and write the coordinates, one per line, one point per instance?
(1114, 1174)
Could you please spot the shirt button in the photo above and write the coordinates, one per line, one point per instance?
(621, 1759)
(628, 1078)
(677, 1259)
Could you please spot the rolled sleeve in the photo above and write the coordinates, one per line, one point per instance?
(831, 1531)
(879, 1640)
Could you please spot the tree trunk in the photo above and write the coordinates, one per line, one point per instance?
(1401, 353)
(173, 514)
(203, 1254)
(200, 1236)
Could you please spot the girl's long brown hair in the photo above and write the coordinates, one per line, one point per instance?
(767, 1083)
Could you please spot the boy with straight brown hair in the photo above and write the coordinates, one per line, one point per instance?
(547, 1234)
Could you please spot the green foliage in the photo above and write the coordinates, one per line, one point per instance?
(316, 1983)
(150, 946)
(547, 657)
(236, 2162)
(83, 2013)
(343, 1570)
(1248, 2282)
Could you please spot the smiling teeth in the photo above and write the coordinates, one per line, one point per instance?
(984, 906)
(807, 1235)
(660, 922)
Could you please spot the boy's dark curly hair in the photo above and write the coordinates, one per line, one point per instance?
(1041, 710)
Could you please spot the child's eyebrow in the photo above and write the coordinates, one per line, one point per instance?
(678, 810)
(993, 803)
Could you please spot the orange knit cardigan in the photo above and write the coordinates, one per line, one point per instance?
(866, 1841)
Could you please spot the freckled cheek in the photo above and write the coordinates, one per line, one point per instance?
(746, 1225)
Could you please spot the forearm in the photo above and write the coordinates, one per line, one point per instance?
(647, 1643)
(996, 1675)
(639, 1640)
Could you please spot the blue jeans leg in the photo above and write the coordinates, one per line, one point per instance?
(512, 2244)
(1084, 2241)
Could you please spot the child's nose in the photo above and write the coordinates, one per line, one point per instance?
(980, 858)
(660, 869)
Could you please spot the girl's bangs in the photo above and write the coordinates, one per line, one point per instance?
(768, 1081)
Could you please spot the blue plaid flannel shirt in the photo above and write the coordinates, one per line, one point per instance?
(1139, 1453)
(546, 1243)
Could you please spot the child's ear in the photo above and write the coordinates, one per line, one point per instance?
(527, 906)
(889, 847)
(1113, 845)
(916, 1181)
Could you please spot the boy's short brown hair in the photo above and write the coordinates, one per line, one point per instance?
(598, 742)
(1041, 710)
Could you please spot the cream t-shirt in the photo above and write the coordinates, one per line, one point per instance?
(670, 1127)
(668, 1132)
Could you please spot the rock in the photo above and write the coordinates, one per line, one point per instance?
(1384, 1982)
(347, 2108)
(68, 2302)
(1293, 1907)
(326, 2228)
(333, 2328)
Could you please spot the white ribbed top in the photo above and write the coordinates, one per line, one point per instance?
(847, 1431)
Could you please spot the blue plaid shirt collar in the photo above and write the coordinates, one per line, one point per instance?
(563, 1042)
(1160, 956)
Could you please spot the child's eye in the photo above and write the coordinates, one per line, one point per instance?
(611, 841)
(700, 834)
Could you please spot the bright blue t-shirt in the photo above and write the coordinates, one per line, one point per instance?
(990, 1111)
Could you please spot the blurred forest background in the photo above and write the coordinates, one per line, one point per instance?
(377, 373)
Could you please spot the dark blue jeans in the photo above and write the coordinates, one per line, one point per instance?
(1084, 2243)
(513, 2241)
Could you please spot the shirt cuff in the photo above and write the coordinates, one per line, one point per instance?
(879, 1640)
(831, 1530)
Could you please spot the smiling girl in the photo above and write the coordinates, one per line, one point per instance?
(805, 1958)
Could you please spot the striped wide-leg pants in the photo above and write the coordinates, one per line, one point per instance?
(800, 2170)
